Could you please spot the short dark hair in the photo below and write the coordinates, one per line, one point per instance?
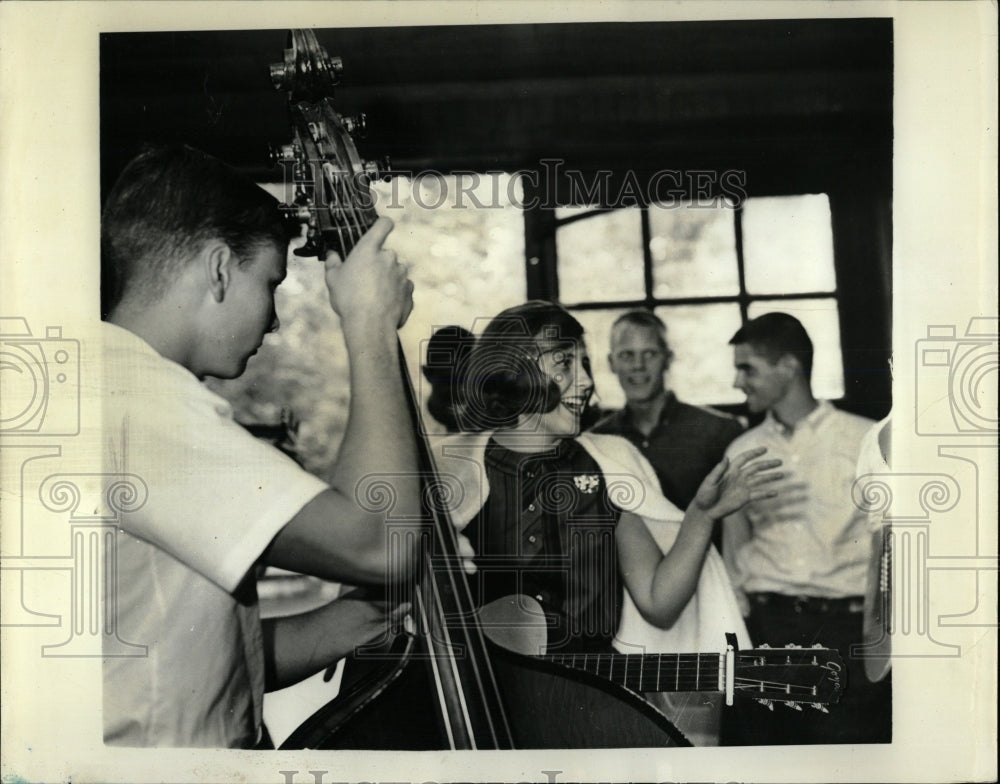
(166, 203)
(502, 378)
(774, 335)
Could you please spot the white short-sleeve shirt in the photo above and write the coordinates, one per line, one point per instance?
(811, 539)
(215, 496)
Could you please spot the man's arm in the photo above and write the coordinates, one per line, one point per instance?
(335, 536)
(298, 646)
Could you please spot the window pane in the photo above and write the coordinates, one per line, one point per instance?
(597, 333)
(693, 250)
(600, 257)
(702, 370)
(822, 322)
(788, 245)
(465, 262)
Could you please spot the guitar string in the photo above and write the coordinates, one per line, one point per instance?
(691, 676)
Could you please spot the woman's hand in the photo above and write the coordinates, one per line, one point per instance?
(734, 483)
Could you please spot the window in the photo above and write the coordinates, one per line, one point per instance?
(464, 244)
(704, 271)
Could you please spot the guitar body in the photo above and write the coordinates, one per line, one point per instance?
(558, 708)
(550, 707)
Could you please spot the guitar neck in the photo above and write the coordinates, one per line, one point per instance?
(652, 672)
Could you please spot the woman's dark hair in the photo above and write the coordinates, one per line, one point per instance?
(166, 203)
(502, 378)
(447, 356)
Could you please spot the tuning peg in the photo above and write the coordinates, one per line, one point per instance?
(377, 169)
(279, 153)
(311, 248)
(358, 124)
(817, 645)
(767, 704)
(764, 645)
(334, 66)
(793, 645)
(279, 72)
(819, 707)
(794, 706)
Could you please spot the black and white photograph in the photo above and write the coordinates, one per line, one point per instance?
(474, 391)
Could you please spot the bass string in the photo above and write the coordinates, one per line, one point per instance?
(445, 550)
(471, 635)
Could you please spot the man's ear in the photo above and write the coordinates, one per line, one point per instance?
(789, 365)
(218, 260)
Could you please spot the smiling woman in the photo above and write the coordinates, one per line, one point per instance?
(577, 521)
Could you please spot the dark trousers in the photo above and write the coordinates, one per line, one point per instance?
(864, 712)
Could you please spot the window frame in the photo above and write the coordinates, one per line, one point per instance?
(743, 298)
(541, 249)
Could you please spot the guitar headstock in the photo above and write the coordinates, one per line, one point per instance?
(792, 675)
(330, 180)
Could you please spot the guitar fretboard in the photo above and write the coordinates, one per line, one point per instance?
(651, 672)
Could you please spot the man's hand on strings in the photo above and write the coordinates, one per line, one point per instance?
(370, 284)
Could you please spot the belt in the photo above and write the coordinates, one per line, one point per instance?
(818, 605)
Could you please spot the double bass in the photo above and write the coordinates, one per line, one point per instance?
(443, 683)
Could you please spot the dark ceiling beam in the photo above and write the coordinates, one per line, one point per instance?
(780, 93)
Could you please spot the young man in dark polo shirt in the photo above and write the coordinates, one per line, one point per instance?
(682, 442)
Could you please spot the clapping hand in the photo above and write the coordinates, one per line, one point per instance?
(735, 482)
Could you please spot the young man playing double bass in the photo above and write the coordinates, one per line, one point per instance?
(194, 252)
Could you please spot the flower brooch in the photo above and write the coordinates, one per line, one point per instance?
(587, 483)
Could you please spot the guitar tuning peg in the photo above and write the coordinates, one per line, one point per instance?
(794, 706)
(821, 708)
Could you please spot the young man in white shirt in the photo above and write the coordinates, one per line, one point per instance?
(798, 561)
(192, 253)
